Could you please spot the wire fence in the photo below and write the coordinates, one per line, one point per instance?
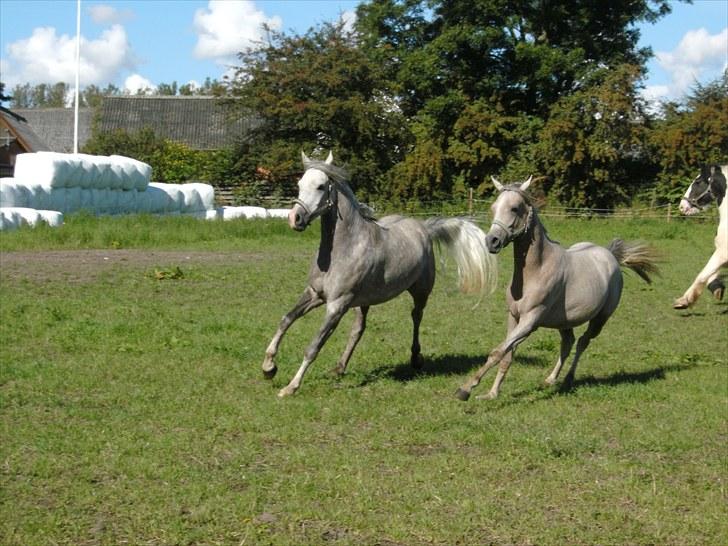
(479, 209)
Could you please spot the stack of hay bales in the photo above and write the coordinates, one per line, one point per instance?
(64, 183)
(104, 185)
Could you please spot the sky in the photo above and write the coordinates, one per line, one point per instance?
(137, 44)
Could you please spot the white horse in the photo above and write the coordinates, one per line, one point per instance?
(709, 187)
(552, 286)
(362, 262)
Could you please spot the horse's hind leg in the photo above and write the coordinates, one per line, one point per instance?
(357, 329)
(420, 301)
(595, 326)
(567, 342)
(308, 300)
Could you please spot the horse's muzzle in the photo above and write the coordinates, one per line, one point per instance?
(298, 218)
(494, 243)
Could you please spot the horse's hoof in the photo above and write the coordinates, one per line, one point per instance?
(486, 396)
(286, 391)
(680, 303)
(270, 374)
(462, 395)
(338, 370)
(417, 361)
(717, 288)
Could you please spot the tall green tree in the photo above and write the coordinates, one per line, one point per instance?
(690, 133)
(504, 62)
(316, 92)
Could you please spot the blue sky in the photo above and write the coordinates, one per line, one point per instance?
(147, 42)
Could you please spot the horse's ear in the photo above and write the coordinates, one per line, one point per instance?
(527, 183)
(330, 158)
(304, 157)
(497, 184)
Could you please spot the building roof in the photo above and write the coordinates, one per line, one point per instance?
(54, 126)
(202, 123)
(19, 129)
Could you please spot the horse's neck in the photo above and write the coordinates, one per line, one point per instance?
(530, 250)
(341, 227)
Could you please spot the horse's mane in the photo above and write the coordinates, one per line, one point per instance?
(527, 197)
(341, 179)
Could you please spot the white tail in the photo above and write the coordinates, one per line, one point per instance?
(477, 268)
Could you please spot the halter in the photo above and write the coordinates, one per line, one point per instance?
(511, 234)
(327, 204)
(694, 200)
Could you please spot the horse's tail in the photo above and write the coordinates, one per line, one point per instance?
(477, 268)
(637, 256)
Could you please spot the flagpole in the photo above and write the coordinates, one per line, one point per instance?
(78, 78)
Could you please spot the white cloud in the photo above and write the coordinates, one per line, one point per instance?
(103, 14)
(349, 18)
(227, 27)
(46, 57)
(698, 56)
(136, 83)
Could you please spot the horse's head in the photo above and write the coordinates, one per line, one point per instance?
(708, 186)
(316, 194)
(511, 212)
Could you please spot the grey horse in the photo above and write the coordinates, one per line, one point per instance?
(362, 262)
(553, 287)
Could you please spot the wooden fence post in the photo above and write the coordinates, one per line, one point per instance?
(669, 211)
(470, 201)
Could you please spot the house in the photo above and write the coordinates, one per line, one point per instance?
(16, 137)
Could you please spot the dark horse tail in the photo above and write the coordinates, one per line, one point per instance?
(637, 256)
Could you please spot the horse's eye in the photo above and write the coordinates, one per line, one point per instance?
(321, 187)
(514, 210)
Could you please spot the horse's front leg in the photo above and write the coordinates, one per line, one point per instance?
(691, 295)
(357, 330)
(334, 311)
(526, 325)
(308, 300)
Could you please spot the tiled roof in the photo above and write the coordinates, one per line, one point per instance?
(202, 123)
(22, 130)
(54, 126)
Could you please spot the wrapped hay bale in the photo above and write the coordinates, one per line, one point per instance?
(278, 213)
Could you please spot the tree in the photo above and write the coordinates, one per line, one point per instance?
(450, 60)
(690, 134)
(593, 147)
(316, 92)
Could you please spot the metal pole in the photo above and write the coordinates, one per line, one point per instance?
(78, 78)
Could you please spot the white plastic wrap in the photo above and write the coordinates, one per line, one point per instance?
(56, 170)
(14, 217)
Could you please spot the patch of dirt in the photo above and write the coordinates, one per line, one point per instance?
(86, 265)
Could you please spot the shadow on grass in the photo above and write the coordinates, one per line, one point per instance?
(442, 365)
(620, 378)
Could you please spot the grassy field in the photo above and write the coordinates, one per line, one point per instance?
(133, 410)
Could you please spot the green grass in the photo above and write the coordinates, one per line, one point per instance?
(133, 410)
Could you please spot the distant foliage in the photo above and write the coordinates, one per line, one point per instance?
(690, 135)
(424, 100)
(316, 92)
(593, 146)
(171, 161)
